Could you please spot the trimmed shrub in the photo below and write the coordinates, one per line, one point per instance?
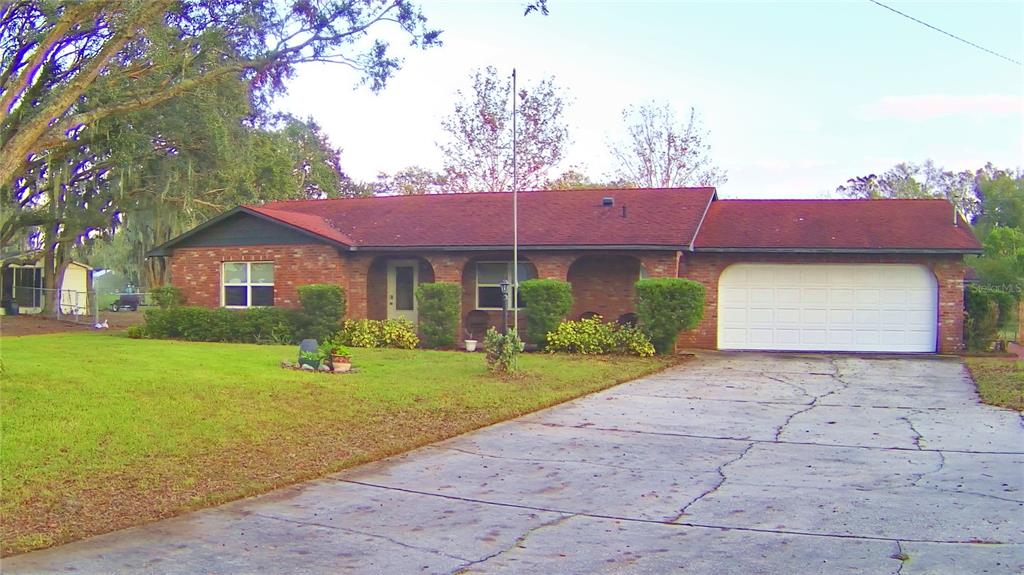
(397, 333)
(502, 350)
(167, 296)
(321, 308)
(256, 325)
(547, 303)
(667, 306)
(592, 336)
(270, 325)
(439, 313)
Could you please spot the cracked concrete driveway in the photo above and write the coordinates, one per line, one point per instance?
(732, 463)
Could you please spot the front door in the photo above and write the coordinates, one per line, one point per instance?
(403, 277)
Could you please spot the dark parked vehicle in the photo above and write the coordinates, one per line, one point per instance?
(127, 302)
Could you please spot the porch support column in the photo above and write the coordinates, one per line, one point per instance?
(447, 268)
(356, 288)
(661, 264)
(552, 266)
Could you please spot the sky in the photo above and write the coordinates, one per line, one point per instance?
(797, 97)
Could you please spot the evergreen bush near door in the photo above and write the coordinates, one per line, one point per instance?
(322, 307)
(438, 305)
(547, 302)
(667, 306)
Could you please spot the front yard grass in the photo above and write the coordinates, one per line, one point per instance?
(100, 432)
(1000, 381)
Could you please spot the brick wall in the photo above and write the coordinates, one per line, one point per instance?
(197, 271)
(602, 282)
(948, 269)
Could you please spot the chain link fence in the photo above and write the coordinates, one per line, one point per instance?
(72, 306)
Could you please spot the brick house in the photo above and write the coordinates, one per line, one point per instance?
(808, 275)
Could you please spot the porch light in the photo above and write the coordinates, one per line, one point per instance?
(504, 306)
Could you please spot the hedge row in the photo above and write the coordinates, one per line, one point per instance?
(319, 316)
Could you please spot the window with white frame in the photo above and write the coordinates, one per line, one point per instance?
(248, 284)
(488, 283)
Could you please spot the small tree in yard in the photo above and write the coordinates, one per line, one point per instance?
(322, 307)
(502, 350)
(439, 313)
(667, 306)
(547, 304)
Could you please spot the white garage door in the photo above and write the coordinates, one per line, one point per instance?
(826, 307)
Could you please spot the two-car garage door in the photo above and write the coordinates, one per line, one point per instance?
(827, 307)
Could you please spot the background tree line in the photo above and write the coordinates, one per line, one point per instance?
(990, 199)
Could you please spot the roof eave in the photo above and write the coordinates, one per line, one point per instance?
(539, 247)
(840, 250)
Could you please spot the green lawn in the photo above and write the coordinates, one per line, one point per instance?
(1000, 381)
(100, 431)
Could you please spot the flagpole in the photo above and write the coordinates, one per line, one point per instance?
(515, 213)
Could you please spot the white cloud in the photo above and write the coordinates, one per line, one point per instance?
(929, 106)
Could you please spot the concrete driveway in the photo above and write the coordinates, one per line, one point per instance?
(732, 463)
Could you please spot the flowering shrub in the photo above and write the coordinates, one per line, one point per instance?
(592, 336)
(398, 333)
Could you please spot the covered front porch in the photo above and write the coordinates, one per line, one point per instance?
(603, 283)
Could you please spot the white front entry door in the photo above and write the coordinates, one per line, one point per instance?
(828, 307)
(403, 277)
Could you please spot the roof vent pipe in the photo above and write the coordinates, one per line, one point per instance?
(607, 201)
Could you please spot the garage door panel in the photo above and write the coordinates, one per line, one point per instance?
(814, 296)
(828, 307)
(787, 316)
(840, 336)
(865, 317)
(812, 317)
(843, 297)
(761, 295)
(840, 316)
(760, 316)
(787, 296)
(867, 296)
(787, 336)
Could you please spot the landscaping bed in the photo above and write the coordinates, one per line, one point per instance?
(1000, 380)
(100, 432)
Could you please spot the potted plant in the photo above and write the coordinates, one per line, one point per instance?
(469, 342)
(310, 358)
(337, 356)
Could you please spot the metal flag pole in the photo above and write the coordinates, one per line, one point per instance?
(515, 215)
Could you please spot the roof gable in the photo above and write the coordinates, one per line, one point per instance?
(245, 227)
(835, 225)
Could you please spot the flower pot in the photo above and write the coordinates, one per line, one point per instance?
(340, 363)
(470, 345)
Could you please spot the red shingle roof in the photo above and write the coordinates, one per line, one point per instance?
(309, 222)
(848, 225)
(655, 217)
